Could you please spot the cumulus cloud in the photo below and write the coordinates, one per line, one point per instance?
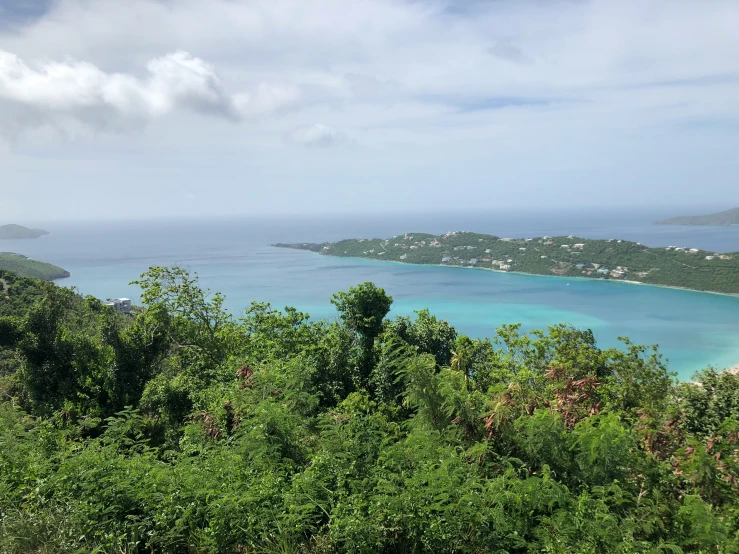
(49, 91)
(318, 135)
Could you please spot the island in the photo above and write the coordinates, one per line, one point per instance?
(729, 217)
(562, 256)
(26, 267)
(14, 232)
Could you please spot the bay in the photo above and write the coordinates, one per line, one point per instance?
(233, 256)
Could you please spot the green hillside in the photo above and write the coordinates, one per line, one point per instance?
(184, 429)
(12, 231)
(570, 256)
(21, 265)
(729, 217)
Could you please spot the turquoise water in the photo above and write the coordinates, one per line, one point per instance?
(692, 329)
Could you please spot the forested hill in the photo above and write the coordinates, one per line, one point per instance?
(729, 217)
(181, 428)
(26, 267)
(12, 231)
(676, 266)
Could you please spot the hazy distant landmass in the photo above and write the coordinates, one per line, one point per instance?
(674, 266)
(12, 231)
(25, 267)
(729, 217)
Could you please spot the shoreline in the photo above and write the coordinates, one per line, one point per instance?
(729, 294)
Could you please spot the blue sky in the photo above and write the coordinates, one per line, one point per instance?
(311, 106)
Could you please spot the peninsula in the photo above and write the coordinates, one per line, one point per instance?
(729, 217)
(564, 256)
(13, 232)
(26, 267)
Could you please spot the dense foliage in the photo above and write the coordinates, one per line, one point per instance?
(676, 266)
(183, 429)
(21, 265)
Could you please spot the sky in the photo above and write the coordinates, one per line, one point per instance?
(166, 108)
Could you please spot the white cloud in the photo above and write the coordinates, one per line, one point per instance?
(266, 100)
(318, 136)
(52, 91)
(484, 96)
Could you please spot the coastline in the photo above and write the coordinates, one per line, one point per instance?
(729, 294)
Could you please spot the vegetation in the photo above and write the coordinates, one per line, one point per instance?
(729, 217)
(13, 231)
(562, 256)
(181, 428)
(23, 266)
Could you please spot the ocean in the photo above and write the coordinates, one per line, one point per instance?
(233, 256)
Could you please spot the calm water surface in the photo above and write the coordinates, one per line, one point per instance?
(234, 257)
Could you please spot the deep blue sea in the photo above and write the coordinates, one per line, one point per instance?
(233, 256)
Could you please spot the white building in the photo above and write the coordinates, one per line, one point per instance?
(122, 305)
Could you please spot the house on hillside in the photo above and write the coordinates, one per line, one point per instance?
(122, 305)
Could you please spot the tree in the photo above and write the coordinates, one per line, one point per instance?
(708, 402)
(462, 356)
(362, 309)
(198, 324)
(427, 333)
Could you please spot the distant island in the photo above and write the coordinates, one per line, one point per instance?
(14, 232)
(25, 267)
(729, 217)
(673, 266)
